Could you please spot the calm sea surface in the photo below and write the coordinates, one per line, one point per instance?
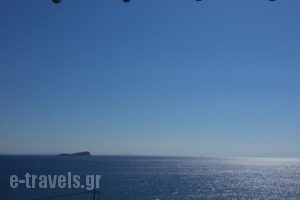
(158, 178)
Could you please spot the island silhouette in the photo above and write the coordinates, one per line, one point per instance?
(82, 153)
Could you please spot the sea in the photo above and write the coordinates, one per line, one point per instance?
(156, 178)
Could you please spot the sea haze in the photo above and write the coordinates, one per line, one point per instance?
(163, 178)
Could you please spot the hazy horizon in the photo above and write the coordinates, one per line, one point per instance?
(163, 155)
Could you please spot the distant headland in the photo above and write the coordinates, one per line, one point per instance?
(83, 153)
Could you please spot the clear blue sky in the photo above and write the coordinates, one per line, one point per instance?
(171, 77)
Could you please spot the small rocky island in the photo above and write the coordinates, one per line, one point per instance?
(83, 153)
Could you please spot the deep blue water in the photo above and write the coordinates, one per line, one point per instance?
(163, 178)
